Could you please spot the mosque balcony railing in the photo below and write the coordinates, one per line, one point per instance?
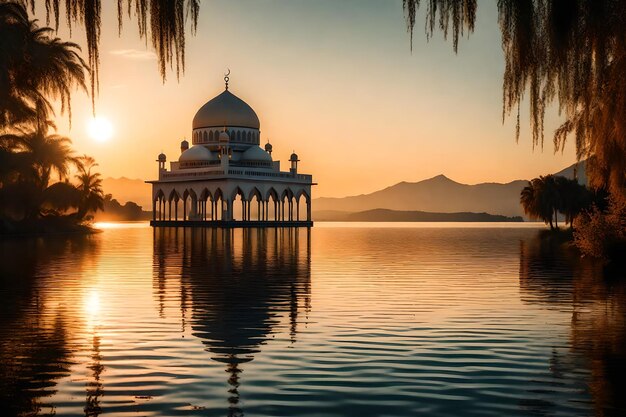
(230, 173)
(287, 175)
(181, 175)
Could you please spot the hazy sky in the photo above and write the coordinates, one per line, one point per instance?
(333, 80)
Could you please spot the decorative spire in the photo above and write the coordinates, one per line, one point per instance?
(227, 78)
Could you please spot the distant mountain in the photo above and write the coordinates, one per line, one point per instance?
(384, 215)
(575, 171)
(438, 195)
(127, 189)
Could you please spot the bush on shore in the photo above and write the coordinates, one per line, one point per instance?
(602, 234)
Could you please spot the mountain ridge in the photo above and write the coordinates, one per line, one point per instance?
(441, 194)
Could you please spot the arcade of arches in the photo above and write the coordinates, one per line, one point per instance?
(240, 204)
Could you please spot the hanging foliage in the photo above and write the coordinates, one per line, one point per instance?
(162, 22)
(568, 52)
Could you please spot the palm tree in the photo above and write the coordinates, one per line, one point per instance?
(574, 198)
(34, 68)
(540, 200)
(59, 197)
(550, 198)
(530, 202)
(41, 153)
(90, 187)
(569, 52)
(31, 156)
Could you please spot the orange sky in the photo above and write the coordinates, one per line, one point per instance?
(334, 81)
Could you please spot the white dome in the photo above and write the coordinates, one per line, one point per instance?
(226, 110)
(254, 153)
(197, 153)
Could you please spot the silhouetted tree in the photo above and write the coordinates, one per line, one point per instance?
(34, 68)
(90, 187)
(544, 197)
(529, 199)
(60, 197)
(539, 200)
(36, 155)
(43, 153)
(573, 198)
(571, 52)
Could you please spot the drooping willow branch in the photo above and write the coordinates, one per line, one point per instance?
(568, 52)
(162, 22)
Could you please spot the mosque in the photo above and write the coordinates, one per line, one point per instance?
(226, 179)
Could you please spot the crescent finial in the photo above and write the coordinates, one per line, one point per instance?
(226, 78)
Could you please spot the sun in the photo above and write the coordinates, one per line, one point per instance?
(100, 129)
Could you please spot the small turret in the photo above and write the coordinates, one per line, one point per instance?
(294, 163)
(184, 145)
(268, 147)
(161, 159)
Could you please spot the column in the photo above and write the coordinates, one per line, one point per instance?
(308, 210)
(229, 210)
(153, 210)
(298, 209)
(290, 209)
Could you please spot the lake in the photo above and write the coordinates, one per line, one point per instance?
(338, 320)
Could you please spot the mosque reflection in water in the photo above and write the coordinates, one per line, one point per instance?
(235, 285)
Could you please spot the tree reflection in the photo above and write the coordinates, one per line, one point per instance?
(550, 274)
(34, 348)
(243, 286)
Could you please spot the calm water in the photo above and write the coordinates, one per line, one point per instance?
(335, 321)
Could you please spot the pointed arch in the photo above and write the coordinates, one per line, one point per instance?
(302, 192)
(158, 205)
(255, 192)
(205, 194)
(238, 212)
(217, 204)
(159, 194)
(286, 194)
(218, 194)
(173, 196)
(271, 193)
(302, 211)
(236, 192)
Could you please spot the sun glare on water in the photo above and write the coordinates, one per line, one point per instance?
(100, 129)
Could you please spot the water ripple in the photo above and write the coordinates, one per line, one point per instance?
(342, 320)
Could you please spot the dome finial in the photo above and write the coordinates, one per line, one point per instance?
(227, 78)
